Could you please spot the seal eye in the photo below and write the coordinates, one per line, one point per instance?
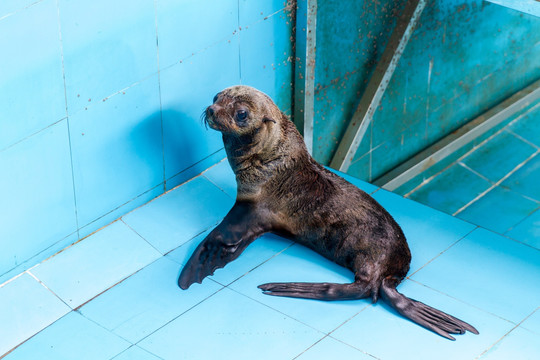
(215, 98)
(241, 115)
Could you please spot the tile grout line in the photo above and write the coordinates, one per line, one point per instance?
(462, 301)
(517, 241)
(259, 265)
(522, 139)
(519, 166)
(239, 42)
(36, 255)
(531, 314)
(329, 334)
(157, 197)
(338, 340)
(222, 40)
(519, 222)
(191, 167)
(176, 317)
(145, 78)
(49, 289)
(312, 345)
(520, 194)
(274, 309)
(354, 347)
(160, 97)
(61, 43)
(104, 328)
(139, 235)
(138, 347)
(19, 10)
(216, 185)
(346, 321)
(190, 240)
(261, 303)
(293, 318)
(33, 134)
(505, 335)
(442, 252)
(33, 335)
(117, 208)
(492, 182)
(462, 164)
(78, 307)
(123, 90)
(474, 148)
(11, 279)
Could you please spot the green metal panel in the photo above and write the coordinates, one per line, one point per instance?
(350, 39)
(464, 58)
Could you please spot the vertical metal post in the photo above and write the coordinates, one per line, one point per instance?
(377, 85)
(304, 97)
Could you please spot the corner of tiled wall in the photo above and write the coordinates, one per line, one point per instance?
(100, 106)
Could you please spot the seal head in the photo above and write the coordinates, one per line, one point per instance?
(241, 110)
(258, 137)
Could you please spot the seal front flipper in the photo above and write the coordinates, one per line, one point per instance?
(210, 255)
(225, 243)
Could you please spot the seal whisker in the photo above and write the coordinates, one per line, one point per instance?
(204, 119)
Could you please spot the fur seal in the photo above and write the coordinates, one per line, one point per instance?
(282, 189)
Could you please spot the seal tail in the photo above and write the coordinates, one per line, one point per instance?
(422, 314)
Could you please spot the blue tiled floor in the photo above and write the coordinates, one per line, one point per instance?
(72, 336)
(441, 192)
(496, 185)
(114, 295)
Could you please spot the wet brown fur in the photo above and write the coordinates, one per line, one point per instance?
(282, 189)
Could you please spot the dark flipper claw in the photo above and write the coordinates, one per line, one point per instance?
(207, 258)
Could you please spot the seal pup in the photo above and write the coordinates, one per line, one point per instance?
(282, 189)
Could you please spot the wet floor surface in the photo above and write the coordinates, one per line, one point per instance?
(496, 185)
(113, 295)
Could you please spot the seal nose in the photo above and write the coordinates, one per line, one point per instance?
(210, 111)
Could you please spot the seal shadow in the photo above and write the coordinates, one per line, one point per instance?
(168, 142)
(143, 152)
(186, 140)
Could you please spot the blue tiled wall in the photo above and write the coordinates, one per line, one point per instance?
(100, 105)
(463, 58)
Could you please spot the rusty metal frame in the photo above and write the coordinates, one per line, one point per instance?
(459, 138)
(304, 83)
(377, 85)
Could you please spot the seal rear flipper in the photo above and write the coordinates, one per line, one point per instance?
(424, 315)
(317, 291)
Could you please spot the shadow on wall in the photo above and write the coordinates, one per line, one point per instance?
(184, 135)
(186, 141)
(144, 134)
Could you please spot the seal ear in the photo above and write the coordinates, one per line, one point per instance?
(267, 119)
